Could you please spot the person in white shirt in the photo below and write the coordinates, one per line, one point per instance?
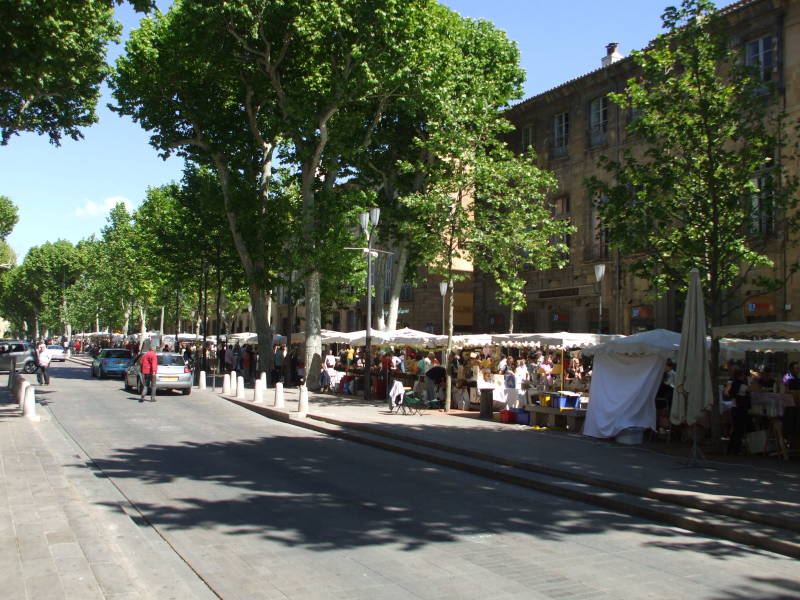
(43, 361)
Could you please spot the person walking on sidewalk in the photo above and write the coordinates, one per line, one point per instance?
(149, 370)
(43, 362)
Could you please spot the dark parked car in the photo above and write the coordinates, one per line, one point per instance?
(18, 350)
(111, 361)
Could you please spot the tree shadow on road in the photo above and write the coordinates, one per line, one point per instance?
(322, 493)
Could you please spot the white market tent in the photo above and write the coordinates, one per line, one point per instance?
(761, 345)
(774, 329)
(555, 341)
(625, 377)
(400, 337)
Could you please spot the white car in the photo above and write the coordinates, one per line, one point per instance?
(57, 352)
(173, 374)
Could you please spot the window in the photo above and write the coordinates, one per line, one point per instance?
(560, 134)
(598, 244)
(598, 121)
(406, 292)
(760, 53)
(527, 138)
(560, 206)
(762, 208)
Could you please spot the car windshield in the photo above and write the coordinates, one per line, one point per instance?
(115, 354)
(171, 360)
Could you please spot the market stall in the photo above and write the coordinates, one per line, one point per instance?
(625, 377)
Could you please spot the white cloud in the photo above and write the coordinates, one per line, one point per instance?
(95, 209)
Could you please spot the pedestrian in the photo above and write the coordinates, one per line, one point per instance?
(149, 370)
(738, 391)
(43, 362)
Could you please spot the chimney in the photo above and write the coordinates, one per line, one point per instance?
(612, 55)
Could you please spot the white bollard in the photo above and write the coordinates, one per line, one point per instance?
(240, 388)
(258, 392)
(21, 393)
(264, 378)
(280, 402)
(233, 382)
(201, 383)
(302, 405)
(29, 410)
(226, 385)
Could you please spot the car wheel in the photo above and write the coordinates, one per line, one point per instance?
(139, 387)
(101, 374)
(29, 368)
(186, 391)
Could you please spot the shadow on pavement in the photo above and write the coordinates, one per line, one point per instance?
(311, 492)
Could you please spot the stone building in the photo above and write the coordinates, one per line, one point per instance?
(570, 127)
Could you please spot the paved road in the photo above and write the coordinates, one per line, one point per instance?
(261, 509)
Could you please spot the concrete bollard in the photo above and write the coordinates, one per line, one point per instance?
(12, 372)
(264, 378)
(258, 392)
(233, 382)
(280, 402)
(226, 385)
(21, 391)
(240, 388)
(302, 405)
(29, 409)
(201, 383)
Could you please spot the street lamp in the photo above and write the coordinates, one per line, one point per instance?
(599, 272)
(372, 216)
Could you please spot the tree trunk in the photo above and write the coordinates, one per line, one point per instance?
(398, 275)
(142, 324)
(126, 314)
(448, 394)
(96, 324)
(161, 322)
(511, 319)
(259, 300)
(313, 358)
(379, 278)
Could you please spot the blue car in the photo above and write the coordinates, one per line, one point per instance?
(111, 361)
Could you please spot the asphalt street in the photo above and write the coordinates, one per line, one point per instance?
(262, 509)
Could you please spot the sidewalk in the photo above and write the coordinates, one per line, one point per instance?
(755, 487)
(66, 532)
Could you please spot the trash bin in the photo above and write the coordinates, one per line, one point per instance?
(487, 400)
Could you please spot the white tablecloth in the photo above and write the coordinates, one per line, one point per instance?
(770, 403)
(511, 397)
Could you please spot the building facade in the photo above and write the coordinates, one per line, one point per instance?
(571, 126)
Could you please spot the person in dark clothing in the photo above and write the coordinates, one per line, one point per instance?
(738, 391)
(433, 378)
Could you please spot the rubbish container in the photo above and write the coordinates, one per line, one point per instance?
(486, 404)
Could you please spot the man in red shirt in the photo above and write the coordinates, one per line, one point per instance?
(149, 370)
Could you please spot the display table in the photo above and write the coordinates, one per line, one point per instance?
(771, 406)
(549, 416)
(511, 397)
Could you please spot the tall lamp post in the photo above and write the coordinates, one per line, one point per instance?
(367, 218)
(599, 272)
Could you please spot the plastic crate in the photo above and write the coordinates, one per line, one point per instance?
(523, 417)
(545, 399)
(566, 401)
(506, 416)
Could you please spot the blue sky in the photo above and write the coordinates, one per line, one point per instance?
(65, 192)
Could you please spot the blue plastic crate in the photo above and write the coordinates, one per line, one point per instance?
(566, 401)
(523, 418)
